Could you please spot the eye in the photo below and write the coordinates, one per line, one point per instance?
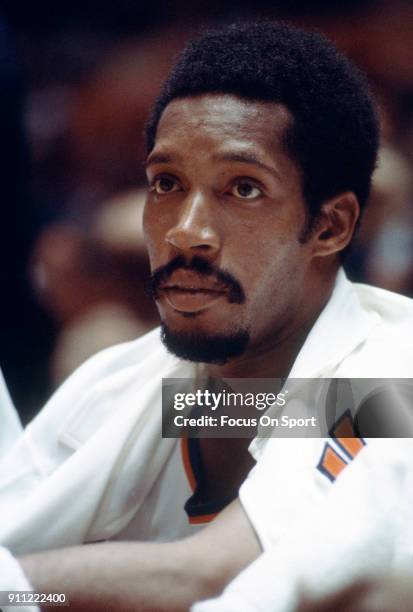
(164, 184)
(246, 190)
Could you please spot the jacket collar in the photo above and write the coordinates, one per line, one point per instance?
(341, 326)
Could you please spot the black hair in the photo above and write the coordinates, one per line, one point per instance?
(334, 134)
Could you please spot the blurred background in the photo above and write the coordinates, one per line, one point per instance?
(77, 80)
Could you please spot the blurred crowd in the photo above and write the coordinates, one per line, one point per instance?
(76, 94)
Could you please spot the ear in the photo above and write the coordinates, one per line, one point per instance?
(335, 224)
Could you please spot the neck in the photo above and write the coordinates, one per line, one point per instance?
(274, 356)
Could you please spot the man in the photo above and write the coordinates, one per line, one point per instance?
(261, 148)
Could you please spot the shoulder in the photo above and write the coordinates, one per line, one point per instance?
(111, 388)
(105, 377)
(388, 349)
(123, 355)
(394, 309)
(119, 358)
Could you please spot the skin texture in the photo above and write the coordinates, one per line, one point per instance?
(135, 577)
(245, 217)
(222, 188)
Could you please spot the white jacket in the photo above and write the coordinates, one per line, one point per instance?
(10, 426)
(85, 465)
(361, 527)
(362, 524)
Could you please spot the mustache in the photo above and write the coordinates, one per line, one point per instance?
(202, 267)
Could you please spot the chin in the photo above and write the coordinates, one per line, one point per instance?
(203, 346)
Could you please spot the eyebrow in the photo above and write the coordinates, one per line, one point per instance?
(244, 158)
(159, 158)
(247, 158)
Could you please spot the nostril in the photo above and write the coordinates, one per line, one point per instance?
(192, 241)
(202, 247)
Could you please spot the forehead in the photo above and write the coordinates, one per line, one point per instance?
(224, 120)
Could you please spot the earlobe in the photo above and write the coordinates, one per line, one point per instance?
(336, 224)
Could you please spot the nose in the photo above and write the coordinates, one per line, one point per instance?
(196, 227)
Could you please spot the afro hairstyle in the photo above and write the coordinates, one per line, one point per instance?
(334, 134)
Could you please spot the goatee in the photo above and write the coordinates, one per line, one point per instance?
(205, 348)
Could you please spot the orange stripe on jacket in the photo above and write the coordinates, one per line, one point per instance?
(332, 463)
(349, 442)
(187, 464)
(205, 518)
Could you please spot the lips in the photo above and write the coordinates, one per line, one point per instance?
(189, 292)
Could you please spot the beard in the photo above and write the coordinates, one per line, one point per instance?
(205, 348)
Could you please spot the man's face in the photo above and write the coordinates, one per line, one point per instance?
(222, 222)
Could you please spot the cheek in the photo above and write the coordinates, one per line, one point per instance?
(260, 253)
(147, 222)
(153, 234)
(273, 271)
